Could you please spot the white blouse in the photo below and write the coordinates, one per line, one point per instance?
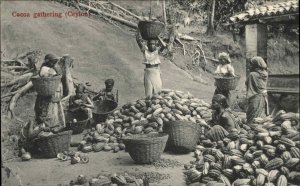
(151, 58)
(225, 69)
(47, 71)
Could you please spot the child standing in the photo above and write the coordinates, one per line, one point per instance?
(224, 69)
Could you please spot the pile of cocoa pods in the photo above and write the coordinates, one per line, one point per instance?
(113, 180)
(145, 116)
(265, 153)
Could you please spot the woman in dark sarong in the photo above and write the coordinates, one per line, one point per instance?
(256, 85)
(49, 113)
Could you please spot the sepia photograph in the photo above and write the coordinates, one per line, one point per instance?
(150, 93)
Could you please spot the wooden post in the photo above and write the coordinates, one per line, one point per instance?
(256, 41)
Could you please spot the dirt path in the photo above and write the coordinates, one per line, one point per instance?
(52, 172)
(101, 51)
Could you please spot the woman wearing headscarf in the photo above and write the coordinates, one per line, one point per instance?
(256, 85)
(48, 109)
(224, 69)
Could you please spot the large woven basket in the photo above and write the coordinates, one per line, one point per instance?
(227, 83)
(46, 86)
(50, 146)
(150, 29)
(183, 136)
(145, 149)
(82, 120)
(102, 108)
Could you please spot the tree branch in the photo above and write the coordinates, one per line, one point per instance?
(15, 98)
(24, 77)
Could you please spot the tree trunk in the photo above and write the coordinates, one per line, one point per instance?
(15, 98)
(210, 27)
(164, 12)
(66, 63)
(23, 79)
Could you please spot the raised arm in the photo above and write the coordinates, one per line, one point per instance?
(139, 41)
(100, 94)
(163, 45)
(217, 71)
(89, 103)
(231, 70)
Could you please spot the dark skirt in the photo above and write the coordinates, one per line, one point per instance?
(41, 108)
(48, 111)
(256, 107)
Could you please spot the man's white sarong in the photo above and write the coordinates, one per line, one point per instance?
(152, 81)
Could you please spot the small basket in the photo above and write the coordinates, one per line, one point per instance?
(50, 146)
(102, 108)
(227, 83)
(145, 149)
(150, 29)
(184, 136)
(46, 86)
(82, 119)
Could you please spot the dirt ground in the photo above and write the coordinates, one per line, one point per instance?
(50, 172)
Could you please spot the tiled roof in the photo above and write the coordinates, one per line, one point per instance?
(283, 8)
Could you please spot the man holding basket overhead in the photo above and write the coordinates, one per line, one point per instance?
(152, 79)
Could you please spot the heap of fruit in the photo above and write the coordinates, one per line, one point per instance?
(25, 156)
(267, 156)
(145, 116)
(75, 157)
(113, 180)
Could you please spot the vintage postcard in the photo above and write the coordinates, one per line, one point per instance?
(150, 92)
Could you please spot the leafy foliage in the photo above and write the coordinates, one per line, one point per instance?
(223, 8)
(227, 8)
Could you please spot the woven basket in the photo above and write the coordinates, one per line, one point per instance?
(50, 146)
(82, 120)
(145, 149)
(46, 86)
(102, 108)
(184, 136)
(227, 83)
(150, 29)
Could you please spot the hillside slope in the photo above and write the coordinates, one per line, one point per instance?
(100, 50)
